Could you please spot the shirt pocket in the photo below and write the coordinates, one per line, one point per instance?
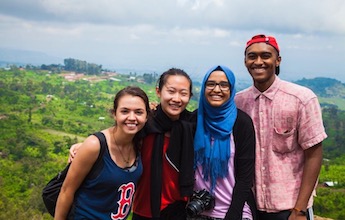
(284, 132)
(283, 142)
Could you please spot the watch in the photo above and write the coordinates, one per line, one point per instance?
(300, 211)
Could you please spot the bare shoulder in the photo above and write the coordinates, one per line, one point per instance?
(90, 147)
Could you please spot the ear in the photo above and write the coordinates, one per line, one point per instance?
(158, 92)
(279, 59)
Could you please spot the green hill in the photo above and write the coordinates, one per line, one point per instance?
(324, 87)
(331, 92)
(42, 114)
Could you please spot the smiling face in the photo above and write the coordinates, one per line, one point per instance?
(174, 95)
(261, 61)
(130, 114)
(219, 94)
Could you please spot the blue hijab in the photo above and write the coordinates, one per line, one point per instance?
(214, 126)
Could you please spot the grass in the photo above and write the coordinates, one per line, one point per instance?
(340, 102)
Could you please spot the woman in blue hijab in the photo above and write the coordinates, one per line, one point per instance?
(224, 149)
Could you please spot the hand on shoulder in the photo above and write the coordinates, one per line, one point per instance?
(92, 142)
(73, 151)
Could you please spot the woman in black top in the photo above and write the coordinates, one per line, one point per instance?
(224, 146)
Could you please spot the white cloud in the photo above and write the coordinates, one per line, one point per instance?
(188, 33)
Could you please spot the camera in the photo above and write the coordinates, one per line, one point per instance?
(200, 201)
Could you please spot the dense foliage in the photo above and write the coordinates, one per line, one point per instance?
(82, 66)
(324, 87)
(334, 122)
(42, 114)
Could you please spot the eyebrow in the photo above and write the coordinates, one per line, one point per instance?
(172, 87)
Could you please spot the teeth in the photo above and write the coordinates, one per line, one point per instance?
(175, 106)
(216, 97)
(259, 69)
(131, 125)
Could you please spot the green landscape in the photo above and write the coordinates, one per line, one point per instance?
(44, 110)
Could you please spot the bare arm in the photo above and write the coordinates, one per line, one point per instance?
(81, 166)
(311, 170)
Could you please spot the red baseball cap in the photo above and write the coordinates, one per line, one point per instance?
(261, 38)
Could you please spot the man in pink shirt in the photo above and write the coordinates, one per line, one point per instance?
(289, 134)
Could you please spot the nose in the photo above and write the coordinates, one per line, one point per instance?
(131, 116)
(217, 88)
(176, 97)
(258, 60)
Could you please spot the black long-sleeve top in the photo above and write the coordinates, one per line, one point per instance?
(244, 162)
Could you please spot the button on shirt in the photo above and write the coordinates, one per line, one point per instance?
(287, 120)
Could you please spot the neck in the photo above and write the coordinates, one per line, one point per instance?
(263, 86)
(122, 140)
(172, 117)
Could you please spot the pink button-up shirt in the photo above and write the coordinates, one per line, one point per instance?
(287, 120)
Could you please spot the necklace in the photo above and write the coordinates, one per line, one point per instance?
(118, 147)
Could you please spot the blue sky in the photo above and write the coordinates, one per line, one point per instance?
(154, 35)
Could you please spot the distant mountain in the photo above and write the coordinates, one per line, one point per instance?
(321, 86)
(24, 57)
(324, 87)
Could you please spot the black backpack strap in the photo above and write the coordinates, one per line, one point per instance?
(98, 165)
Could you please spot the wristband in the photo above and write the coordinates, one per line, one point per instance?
(300, 211)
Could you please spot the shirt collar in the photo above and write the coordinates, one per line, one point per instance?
(270, 92)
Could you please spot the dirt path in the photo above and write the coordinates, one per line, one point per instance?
(61, 133)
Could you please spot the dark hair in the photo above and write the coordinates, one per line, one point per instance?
(134, 91)
(173, 72)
